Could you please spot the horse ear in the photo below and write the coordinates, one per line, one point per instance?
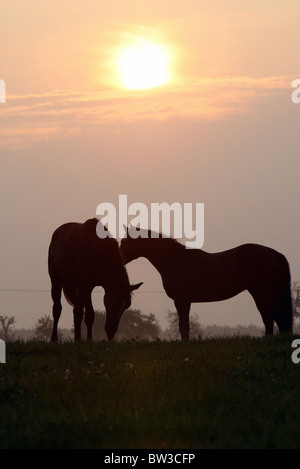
(135, 228)
(126, 230)
(136, 286)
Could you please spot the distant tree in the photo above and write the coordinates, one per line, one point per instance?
(6, 323)
(173, 332)
(295, 289)
(43, 328)
(230, 331)
(98, 326)
(133, 325)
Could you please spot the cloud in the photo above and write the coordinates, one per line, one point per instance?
(30, 118)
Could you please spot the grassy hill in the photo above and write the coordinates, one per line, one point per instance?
(238, 392)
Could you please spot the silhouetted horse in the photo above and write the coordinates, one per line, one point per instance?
(78, 261)
(195, 276)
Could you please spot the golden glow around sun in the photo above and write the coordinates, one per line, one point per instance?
(142, 65)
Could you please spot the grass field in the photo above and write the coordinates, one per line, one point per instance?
(236, 392)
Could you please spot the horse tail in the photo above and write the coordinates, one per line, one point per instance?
(51, 251)
(71, 295)
(284, 315)
(50, 259)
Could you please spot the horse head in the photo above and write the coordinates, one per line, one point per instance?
(131, 242)
(116, 301)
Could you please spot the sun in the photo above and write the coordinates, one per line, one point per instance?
(142, 65)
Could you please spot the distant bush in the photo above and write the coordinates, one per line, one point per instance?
(133, 325)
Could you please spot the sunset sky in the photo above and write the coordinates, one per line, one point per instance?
(222, 130)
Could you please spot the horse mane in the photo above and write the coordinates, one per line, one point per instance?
(172, 243)
(166, 242)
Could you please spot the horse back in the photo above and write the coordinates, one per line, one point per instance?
(217, 276)
(76, 252)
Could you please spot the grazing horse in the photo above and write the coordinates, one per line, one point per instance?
(195, 276)
(78, 261)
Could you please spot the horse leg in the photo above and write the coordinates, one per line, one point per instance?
(269, 325)
(284, 311)
(78, 316)
(183, 310)
(267, 314)
(89, 316)
(56, 289)
(265, 306)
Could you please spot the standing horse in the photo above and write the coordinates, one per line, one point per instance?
(78, 261)
(195, 276)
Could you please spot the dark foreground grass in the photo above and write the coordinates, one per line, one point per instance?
(217, 393)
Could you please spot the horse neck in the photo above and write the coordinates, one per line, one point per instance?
(159, 258)
(115, 277)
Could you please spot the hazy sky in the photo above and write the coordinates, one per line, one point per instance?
(223, 131)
